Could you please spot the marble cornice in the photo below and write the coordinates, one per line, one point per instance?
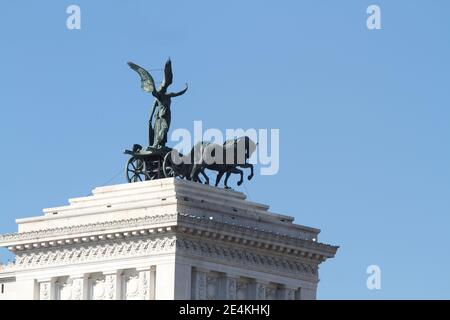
(200, 227)
(252, 236)
(217, 228)
(97, 231)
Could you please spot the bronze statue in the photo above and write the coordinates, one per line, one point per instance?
(158, 161)
(161, 107)
(240, 148)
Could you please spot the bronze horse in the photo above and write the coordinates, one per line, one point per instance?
(225, 159)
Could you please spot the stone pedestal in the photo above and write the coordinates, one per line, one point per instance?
(163, 239)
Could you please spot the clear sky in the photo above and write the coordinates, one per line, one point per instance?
(363, 115)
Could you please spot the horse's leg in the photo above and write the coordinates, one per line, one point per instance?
(241, 173)
(195, 172)
(226, 180)
(202, 171)
(235, 171)
(191, 174)
(219, 176)
(248, 165)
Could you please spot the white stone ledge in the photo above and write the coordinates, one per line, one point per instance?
(121, 208)
(156, 184)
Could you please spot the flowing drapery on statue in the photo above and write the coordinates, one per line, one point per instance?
(161, 108)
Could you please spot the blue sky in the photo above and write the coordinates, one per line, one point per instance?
(363, 115)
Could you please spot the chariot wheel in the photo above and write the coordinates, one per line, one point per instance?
(171, 169)
(136, 170)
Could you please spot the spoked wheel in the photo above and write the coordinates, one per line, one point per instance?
(136, 170)
(171, 169)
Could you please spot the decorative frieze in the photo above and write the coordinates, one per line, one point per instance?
(76, 254)
(244, 257)
(90, 227)
(138, 284)
(147, 246)
(240, 234)
(191, 215)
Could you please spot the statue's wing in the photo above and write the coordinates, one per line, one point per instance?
(168, 75)
(147, 82)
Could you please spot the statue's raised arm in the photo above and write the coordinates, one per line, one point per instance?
(168, 79)
(179, 93)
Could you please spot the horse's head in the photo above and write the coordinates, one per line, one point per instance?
(248, 144)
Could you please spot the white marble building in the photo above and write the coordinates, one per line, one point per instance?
(163, 239)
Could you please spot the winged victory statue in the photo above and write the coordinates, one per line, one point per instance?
(161, 107)
(157, 161)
